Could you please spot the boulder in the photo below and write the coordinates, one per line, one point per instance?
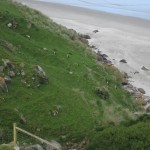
(141, 90)
(123, 61)
(145, 69)
(3, 84)
(95, 31)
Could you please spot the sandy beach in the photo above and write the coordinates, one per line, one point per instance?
(119, 37)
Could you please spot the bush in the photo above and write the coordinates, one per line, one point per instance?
(135, 137)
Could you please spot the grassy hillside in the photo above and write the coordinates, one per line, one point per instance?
(73, 75)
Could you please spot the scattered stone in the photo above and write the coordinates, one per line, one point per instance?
(1, 68)
(70, 72)
(7, 79)
(11, 74)
(148, 109)
(104, 55)
(141, 90)
(3, 84)
(136, 72)
(125, 75)
(8, 64)
(137, 95)
(85, 36)
(142, 101)
(45, 49)
(42, 75)
(103, 93)
(28, 36)
(9, 25)
(92, 46)
(22, 65)
(34, 147)
(22, 120)
(145, 69)
(123, 61)
(55, 144)
(124, 81)
(95, 31)
(23, 73)
(40, 70)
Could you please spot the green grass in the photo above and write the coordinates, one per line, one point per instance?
(82, 109)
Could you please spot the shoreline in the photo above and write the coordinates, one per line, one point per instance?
(119, 37)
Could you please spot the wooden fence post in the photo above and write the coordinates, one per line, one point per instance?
(15, 134)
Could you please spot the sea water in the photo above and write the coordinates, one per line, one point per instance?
(134, 8)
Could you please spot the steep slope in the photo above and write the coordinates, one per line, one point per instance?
(73, 98)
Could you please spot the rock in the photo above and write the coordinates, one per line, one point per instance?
(103, 93)
(136, 72)
(124, 81)
(148, 109)
(85, 36)
(55, 144)
(145, 69)
(95, 31)
(33, 147)
(41, 73)
(137, 95)
(22, 65)
(104, 55)
(7, 79)
(92, 46)
(3, 84)
(22, 120)
(23, 73)
(45, 49)
(28, 36)
(125, 75)
(1, 68)
(13, 24)
(123, 61)
(141, 90)
(142, 101)
(9, 25)
(8, 64)
(12, 74)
